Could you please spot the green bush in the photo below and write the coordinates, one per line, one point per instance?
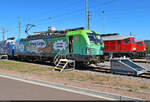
(148, 49)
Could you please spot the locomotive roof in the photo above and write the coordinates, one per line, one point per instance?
(114, 37)
(110, 34)
(45, 34)
(52, 34)
(138, 40)
(11, 38)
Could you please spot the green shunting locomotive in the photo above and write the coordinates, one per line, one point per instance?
(83, 46)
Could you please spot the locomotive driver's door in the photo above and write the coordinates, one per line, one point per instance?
(70, 44)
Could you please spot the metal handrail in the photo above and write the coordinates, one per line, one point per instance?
(58, 56)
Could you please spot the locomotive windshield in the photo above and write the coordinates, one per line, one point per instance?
(133, 41)
(96, 38)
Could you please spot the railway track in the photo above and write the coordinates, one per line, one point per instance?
(145, 75)
(141, 60)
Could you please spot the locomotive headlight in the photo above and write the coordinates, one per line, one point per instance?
(134, 48)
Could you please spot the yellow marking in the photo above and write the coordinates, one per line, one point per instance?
(58, 68)
(64, 60)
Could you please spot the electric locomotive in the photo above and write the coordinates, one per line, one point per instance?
(78, 44)
(7, 47)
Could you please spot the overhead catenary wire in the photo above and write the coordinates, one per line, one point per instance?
(61, 16)
(74, 11)
(43, 20)
(42, 14)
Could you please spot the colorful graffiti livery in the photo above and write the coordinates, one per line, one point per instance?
(79, 44)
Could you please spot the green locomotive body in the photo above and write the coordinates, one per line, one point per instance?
(77, 44)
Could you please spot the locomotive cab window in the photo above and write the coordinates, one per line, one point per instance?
(91, 38)
(119, 42)
(96, 38)
(126, 41)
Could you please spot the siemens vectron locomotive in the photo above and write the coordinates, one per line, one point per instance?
(77, 44)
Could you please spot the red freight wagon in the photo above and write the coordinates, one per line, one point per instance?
(140, 48)
(119, 45)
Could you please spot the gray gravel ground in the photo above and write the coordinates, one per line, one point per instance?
(107, 65)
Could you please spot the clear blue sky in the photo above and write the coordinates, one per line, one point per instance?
(121, 16)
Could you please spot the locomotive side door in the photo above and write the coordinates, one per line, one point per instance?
(70, 44)
(119, 45)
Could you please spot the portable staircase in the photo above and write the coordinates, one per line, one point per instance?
(126, 66)
(62, 63)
